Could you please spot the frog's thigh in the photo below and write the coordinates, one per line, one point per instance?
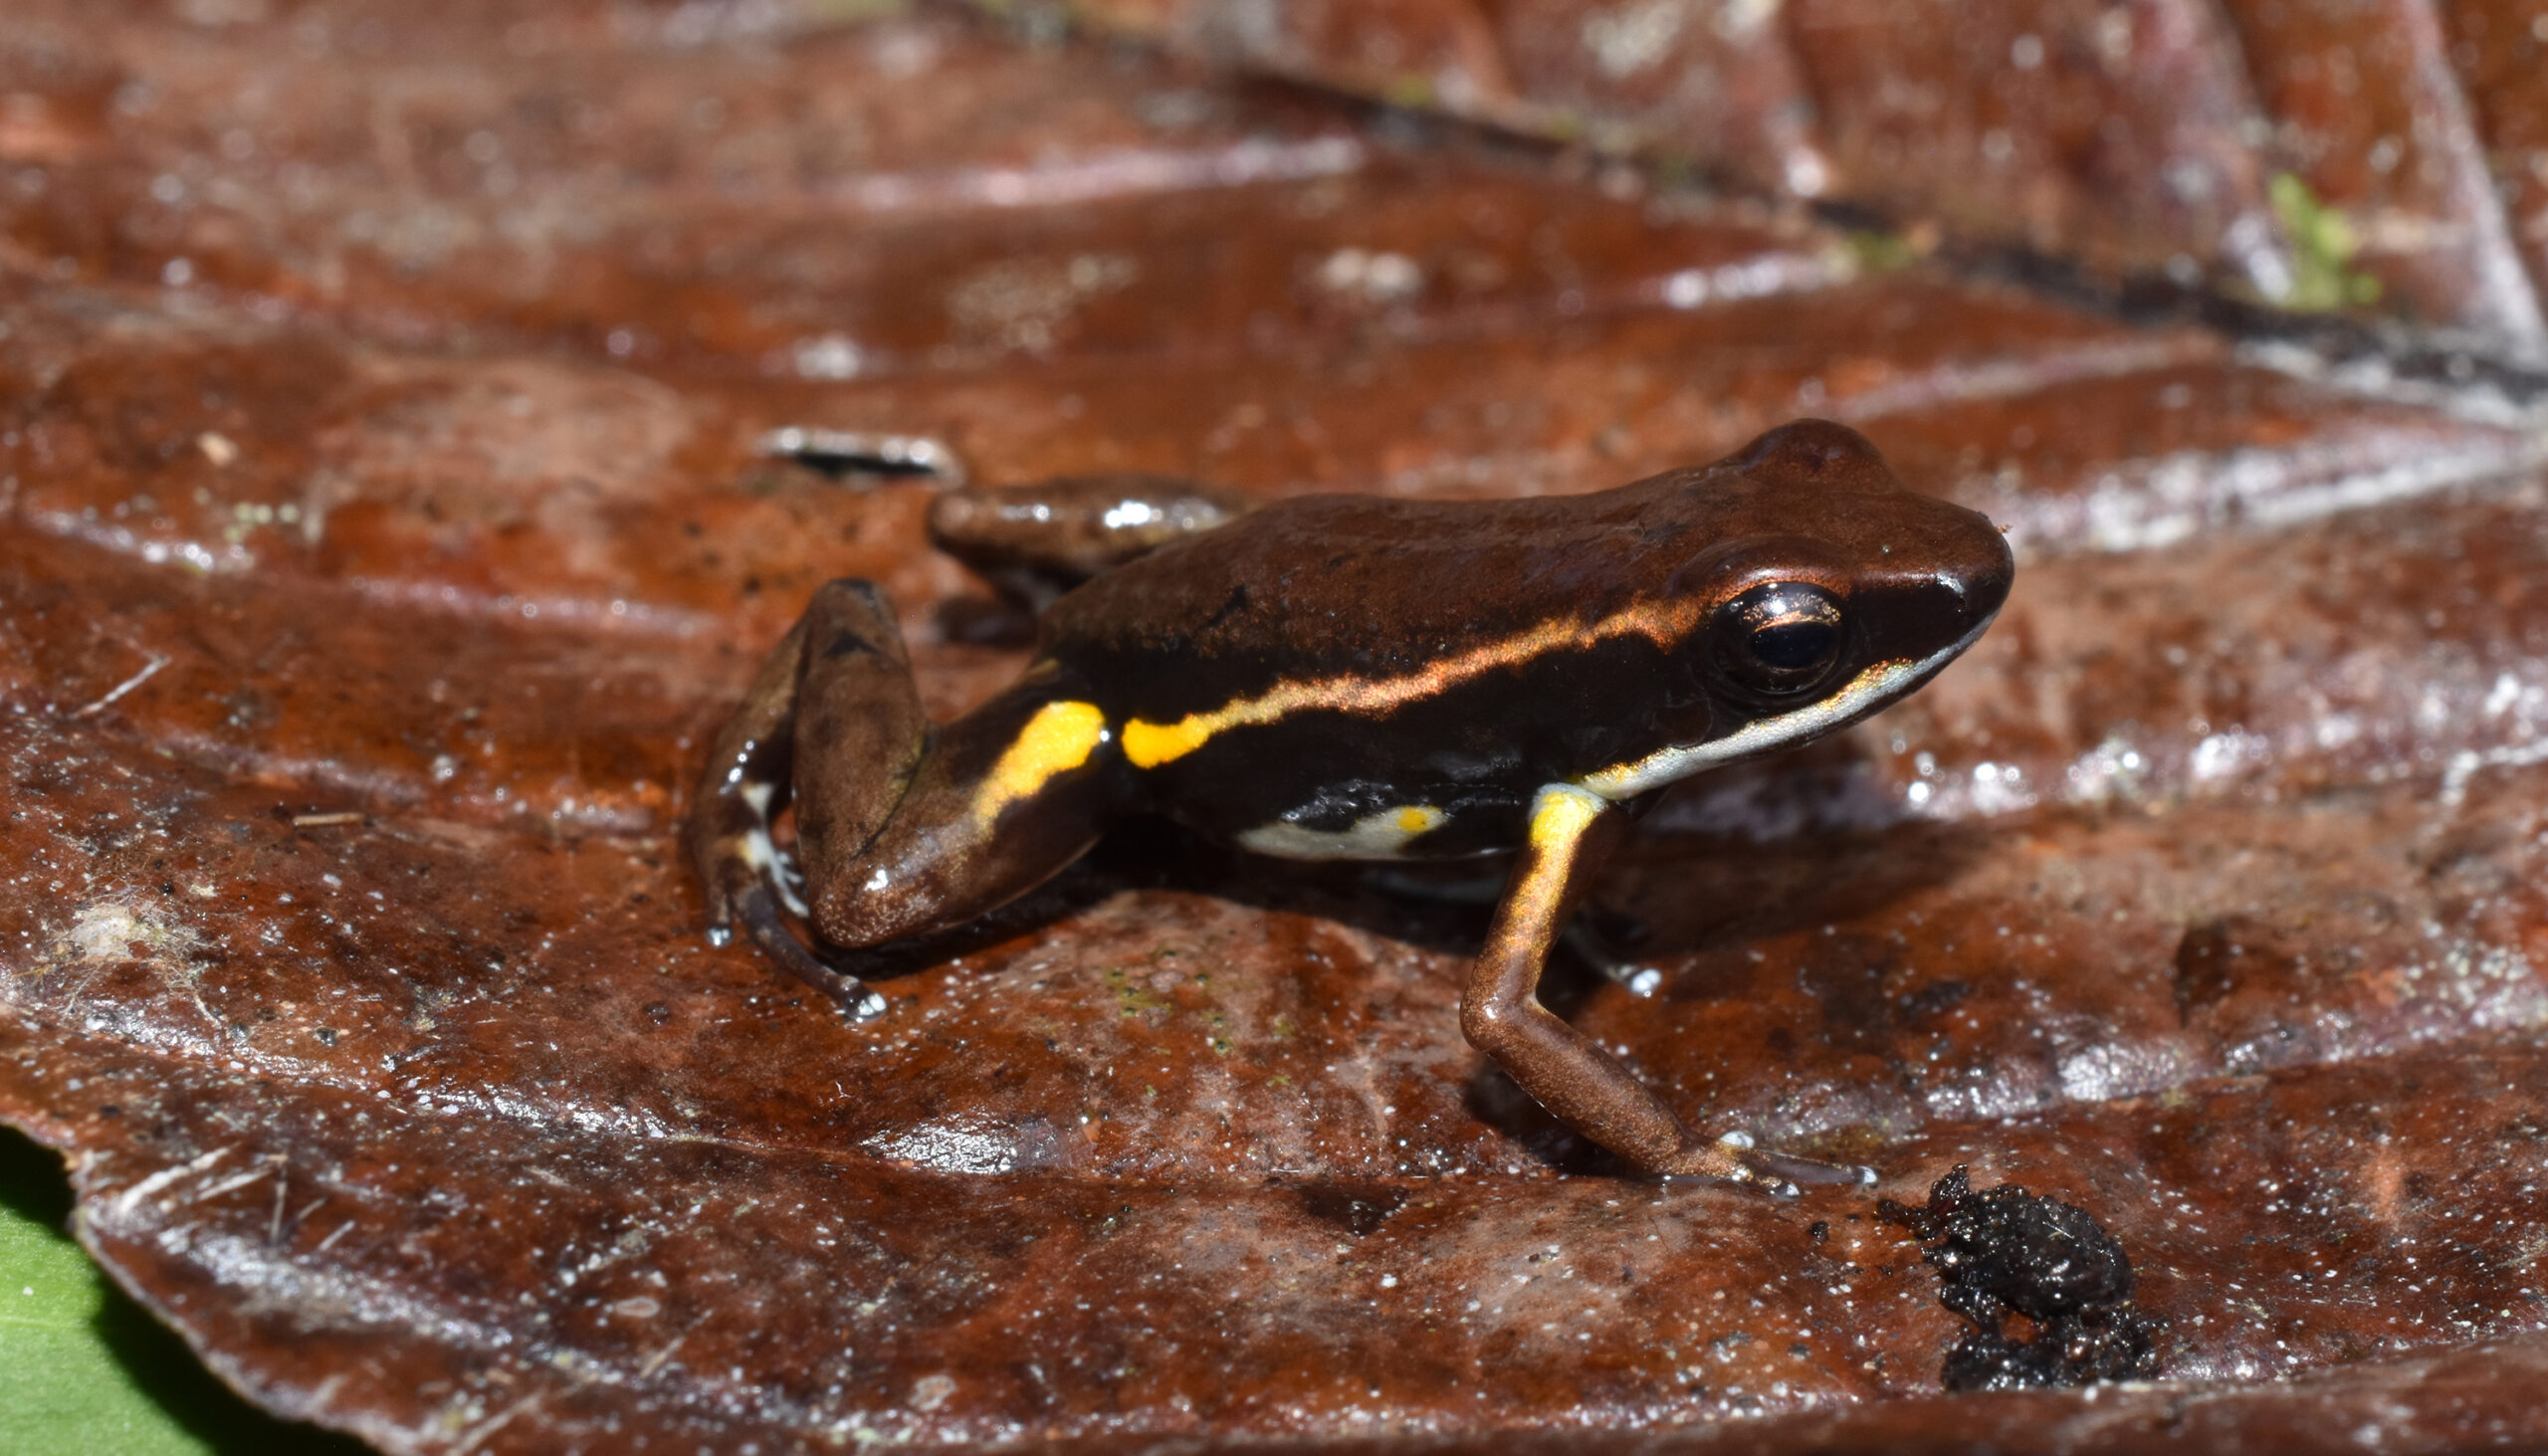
(859, 731)
(754, 766)
(1001, 800)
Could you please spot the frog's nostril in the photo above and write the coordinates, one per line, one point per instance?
(1987, 592)
(1983, 586)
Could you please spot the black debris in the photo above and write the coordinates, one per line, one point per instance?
(2006, 1252)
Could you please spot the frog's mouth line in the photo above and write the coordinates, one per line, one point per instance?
(1868, 690)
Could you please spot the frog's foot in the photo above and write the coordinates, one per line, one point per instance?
(787, 882)
(1734, 1159)
(746, 862)
(758, 908)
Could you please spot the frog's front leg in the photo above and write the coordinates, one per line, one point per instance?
(1035, 542)
(902, 826)
(1572, 830)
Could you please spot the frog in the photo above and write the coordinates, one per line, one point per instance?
(1343, 677)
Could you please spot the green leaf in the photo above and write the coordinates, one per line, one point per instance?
(82, 1368)
(2323, 247)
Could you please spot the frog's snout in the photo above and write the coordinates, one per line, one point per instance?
(1938, 612)
(1982, 586)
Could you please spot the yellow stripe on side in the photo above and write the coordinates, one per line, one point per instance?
(1150, 744)
(1058, 739)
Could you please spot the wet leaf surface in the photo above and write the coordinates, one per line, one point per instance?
(385, 533)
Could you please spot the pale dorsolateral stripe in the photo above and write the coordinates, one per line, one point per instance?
(1148, 745)
(1875, 686)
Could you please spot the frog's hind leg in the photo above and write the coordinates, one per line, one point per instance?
(841, 671)
(902, 827)
(1001, 800)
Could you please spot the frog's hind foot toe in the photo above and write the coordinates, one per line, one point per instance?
(1733, 1159)
(757, 909)
(1813, 1171)
(788, 882)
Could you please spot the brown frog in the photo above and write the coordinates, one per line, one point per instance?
(1345, 677)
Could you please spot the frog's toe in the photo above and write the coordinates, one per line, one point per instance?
(757, 909)
(1811, 1170)
(789, 883)
(1734, 1159)
(725, 909)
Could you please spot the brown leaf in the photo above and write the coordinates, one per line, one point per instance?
(386, 536)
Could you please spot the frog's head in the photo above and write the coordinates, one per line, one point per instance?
(1830, 589)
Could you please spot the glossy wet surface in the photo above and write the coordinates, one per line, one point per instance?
(378, 393)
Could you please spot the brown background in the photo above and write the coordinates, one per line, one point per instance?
(383, 532)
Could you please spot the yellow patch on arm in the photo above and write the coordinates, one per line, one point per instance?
(1150, 744)
(1058, 739)
(1561, 816)
(1417, 818)
(1558, 818)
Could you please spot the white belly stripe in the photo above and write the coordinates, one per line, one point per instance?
(1373, 837)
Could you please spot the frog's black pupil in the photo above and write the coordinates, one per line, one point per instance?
(1780, 638)
(1793, 646)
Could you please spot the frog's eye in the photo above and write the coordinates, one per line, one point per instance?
(1779, 638)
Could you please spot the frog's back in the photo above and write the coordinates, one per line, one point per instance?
(1326, 585)
(1357, 677)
